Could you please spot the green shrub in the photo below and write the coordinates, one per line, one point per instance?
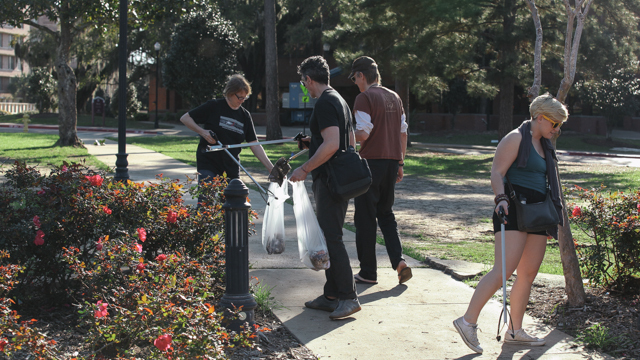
(41, 215)
(141, 117)
(612, 220)
(130, 301)
(16, 334)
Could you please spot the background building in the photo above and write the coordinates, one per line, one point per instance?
(10, 65)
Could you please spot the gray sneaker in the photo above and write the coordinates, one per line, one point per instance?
(469, 334)
(322, 303)
(345, 308)
(522, 338)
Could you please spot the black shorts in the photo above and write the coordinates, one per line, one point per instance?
(532, 196)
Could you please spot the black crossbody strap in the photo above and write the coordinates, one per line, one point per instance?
(512, 193)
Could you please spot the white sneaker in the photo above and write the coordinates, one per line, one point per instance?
(469, 334)
(522, 338)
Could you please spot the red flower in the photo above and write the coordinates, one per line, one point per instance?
(577, 212)
(64, 168)
(41, 192)
(95, 180)
(161, 258)
(3, 343)
(172, 217)
(39, 238)
(142, 234)
(163, 342)
(106, 210)
(638, 207)
(139, 248)
(102, 310)
(99, 246)
(141, 266)
(36, 221)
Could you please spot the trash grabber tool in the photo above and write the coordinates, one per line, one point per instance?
(282, 168)
(504, 313)
(219, 146)
(238, 162)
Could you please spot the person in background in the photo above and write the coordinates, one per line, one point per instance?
(231, 123)
(381, 129)
(528, 158)
(328, 126)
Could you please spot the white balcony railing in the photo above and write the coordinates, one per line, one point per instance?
(17, 108)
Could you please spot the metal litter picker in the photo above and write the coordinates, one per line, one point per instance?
(505, 312)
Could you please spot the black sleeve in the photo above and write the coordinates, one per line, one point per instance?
(202, 112)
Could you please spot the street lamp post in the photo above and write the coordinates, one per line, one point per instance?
(157, 48)
(122, 172)
(325, 49)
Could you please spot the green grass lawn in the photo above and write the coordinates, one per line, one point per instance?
(83, 120)
(574, 142)
(39, 150)
(429, 165)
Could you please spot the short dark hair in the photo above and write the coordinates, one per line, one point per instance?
(316, 68)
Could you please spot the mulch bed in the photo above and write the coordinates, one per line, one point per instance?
(619, 313)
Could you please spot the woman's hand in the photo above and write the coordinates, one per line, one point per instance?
(206, 134)
(504, 205)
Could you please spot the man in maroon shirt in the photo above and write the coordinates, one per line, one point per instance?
(381, 129)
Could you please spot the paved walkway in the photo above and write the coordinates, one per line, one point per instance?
(410, 321)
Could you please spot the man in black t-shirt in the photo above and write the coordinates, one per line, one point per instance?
(231, 123)
(328, 126)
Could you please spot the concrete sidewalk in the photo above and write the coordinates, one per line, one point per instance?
(410, 321)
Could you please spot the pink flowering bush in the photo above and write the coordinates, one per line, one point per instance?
(612, 220)
(15, 333)
(162, 306)
(75, 207)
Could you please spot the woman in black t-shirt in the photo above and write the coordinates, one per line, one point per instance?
(231, 123)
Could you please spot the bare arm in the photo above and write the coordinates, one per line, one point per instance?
(258, 151)
(188, 122)
(361, 135)
(330, 144)
(506, 154)
(403, 141)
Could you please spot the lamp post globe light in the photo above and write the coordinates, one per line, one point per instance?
(325, 49)
(156, 46)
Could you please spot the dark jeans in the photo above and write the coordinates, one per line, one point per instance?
(331, 214)
(377, 203)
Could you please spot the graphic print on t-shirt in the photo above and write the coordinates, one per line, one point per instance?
(230, 124)
(389, 102)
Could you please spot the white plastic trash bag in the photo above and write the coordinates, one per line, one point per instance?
(273, 221)
(311, 243)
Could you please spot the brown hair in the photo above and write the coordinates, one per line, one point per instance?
(235, 84)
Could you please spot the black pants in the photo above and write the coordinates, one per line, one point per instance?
(377, 203)
(331, 214)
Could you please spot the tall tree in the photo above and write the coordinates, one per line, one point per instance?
(201, 57)
(571, 268)
(74, 17)
(271, 53)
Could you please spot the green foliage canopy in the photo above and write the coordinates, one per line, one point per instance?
(201, 57)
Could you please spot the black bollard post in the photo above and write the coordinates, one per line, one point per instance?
(236, 219)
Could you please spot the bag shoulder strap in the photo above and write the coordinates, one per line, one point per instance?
(512, 193)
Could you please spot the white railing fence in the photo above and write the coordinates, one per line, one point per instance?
(17, 108)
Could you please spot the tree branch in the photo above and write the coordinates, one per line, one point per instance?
(534, 90)
(40, 27)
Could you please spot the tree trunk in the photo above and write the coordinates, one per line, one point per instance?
(402, 88)
(274, 132)
(67, 87)
(506, 107)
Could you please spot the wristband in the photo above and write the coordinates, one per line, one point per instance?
(501, 197)
(302, 167)
(401, 164)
